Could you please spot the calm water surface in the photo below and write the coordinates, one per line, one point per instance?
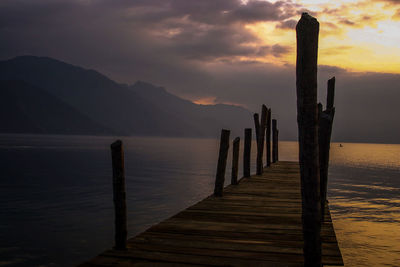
(56, 194)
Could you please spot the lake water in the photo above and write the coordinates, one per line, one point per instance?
(56, 194)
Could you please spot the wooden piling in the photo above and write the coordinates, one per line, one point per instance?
(260, 141)
(223, 155)
(331, 94)
(277, 146)
(274, 141)
(119, 194)
(268, 138)
(324, 139)
(247, 152)
(235, 160)
(256, 125)
(307, 31)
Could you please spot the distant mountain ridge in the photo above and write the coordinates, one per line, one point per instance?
(113, 108)
(28, 109)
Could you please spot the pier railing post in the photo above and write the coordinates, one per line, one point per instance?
(119, 193)
(324, 139)
(247, 152)
(268, 138)
(274, 141)
(222, 158)
(261, 138)
(256, 125)
(307, 31)
(235, 161)
(277, 145)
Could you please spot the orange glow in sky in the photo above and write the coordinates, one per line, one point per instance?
(360, 36)
(205, 101)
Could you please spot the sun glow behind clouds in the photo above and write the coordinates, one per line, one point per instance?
(212, 100)
(355, 35)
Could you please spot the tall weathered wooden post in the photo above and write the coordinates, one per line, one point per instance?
(277, 145)
(256, 125)
(260, 141)
(307, 31)
(324, 138)
(247, 152)
(268, 138)
(119, 194)
(235, 161)
(222, 157)
(274, 141)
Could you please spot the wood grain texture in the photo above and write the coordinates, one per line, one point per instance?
(255, 223)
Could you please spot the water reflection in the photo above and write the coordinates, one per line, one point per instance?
(56, 207)
(364, 195)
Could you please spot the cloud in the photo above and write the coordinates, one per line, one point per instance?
(255, 11)
(396, 16)
(391, 2)
(279, 50)
(357, 14)
(336, 50)
(287, 24)
(347, 22)
(185, 29)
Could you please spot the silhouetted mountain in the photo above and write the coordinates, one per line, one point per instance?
(141, 109)
(28, 109)
(204, 120)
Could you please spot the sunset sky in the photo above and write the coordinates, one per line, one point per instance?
(355, 35)
(221, 51)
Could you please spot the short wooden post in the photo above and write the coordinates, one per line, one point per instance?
(277, 146)
(223, 155)
(268, 138)
(324, 139)
(274, 141)
(260, 141)
(235, 161)
(119, 193)
(307, 31)
(256, 125)
(247, 152)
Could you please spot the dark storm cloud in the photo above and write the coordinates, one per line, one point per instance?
(192, 29)
(215, 42)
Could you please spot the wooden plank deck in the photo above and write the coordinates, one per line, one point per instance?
(255, 223)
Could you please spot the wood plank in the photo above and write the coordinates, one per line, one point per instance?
(257, 222)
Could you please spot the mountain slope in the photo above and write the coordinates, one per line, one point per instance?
(205, 120)
(28, 109)
(96, 96)
(141, 109)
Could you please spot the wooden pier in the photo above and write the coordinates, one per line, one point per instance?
(278, 217)
(255, 223)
